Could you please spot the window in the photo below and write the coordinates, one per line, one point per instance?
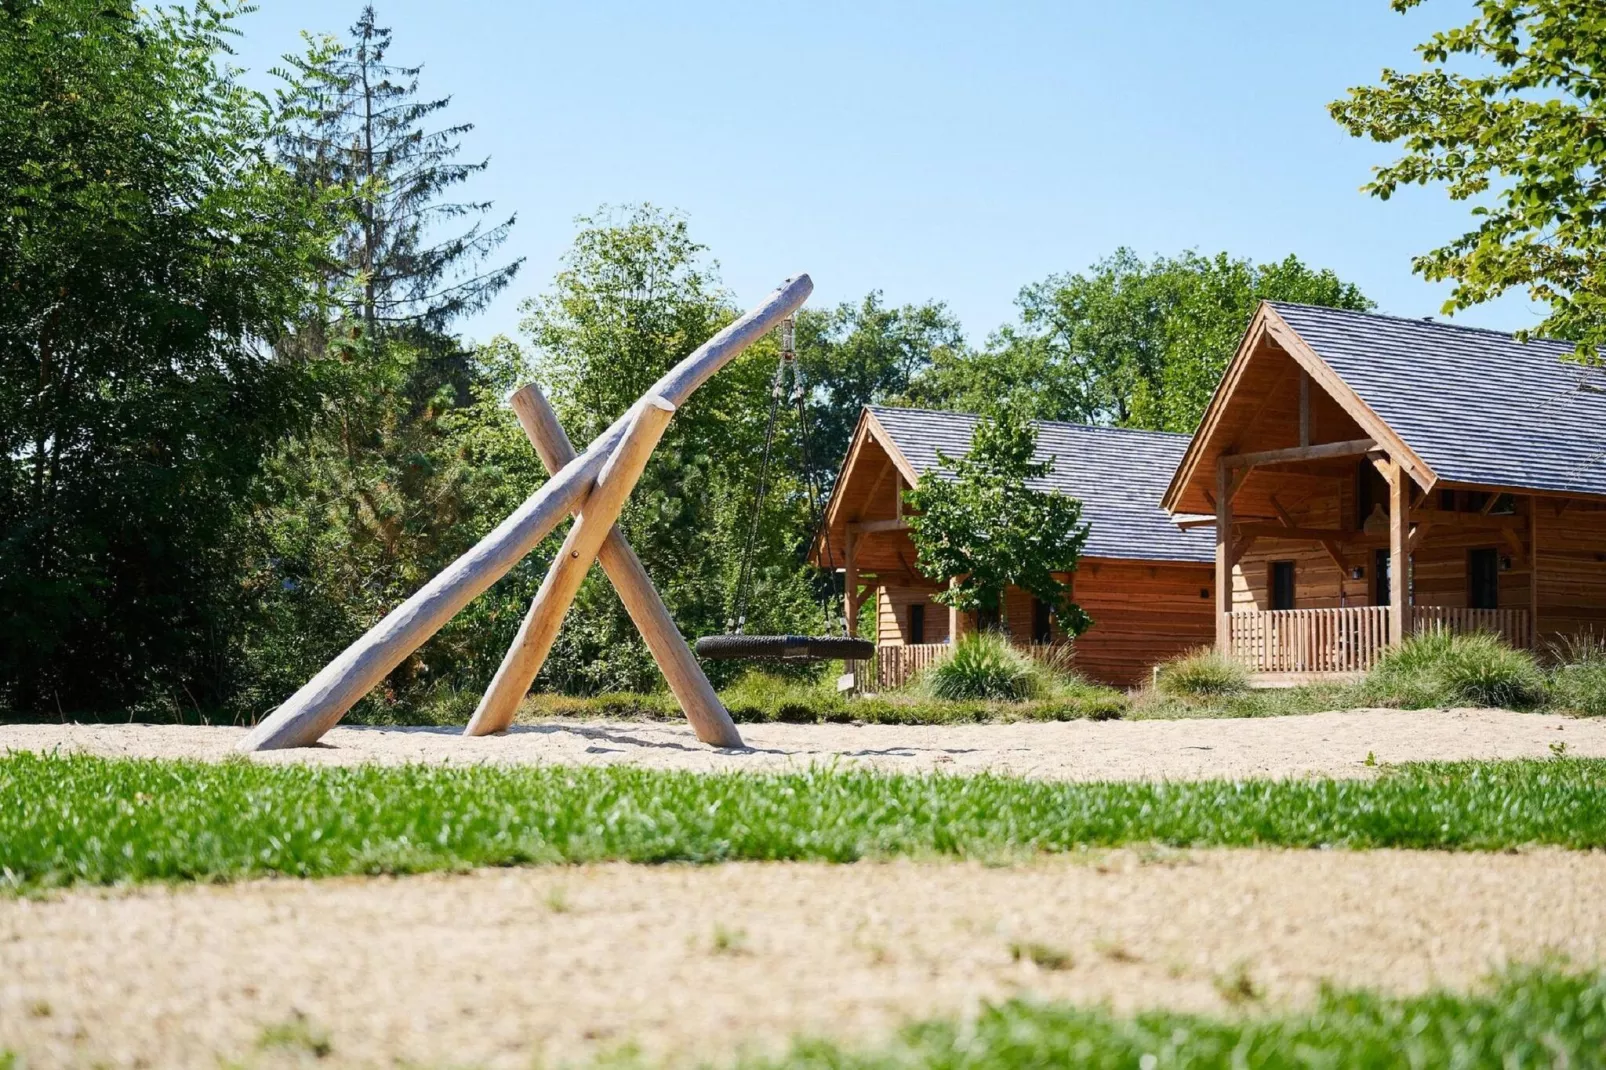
(988, 620)
(1483, 579)
(1282, 585)
(1042, 622)
(917, 623)
(1382, 588)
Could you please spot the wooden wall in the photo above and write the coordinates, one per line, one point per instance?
(1143, 613)
(1572, 569)
(892, 614)
(1571, 557)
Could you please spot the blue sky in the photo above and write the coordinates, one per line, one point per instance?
(933, 151)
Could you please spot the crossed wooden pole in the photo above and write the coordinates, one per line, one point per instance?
(592, 486)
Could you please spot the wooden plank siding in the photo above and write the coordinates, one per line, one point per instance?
(1143, 613)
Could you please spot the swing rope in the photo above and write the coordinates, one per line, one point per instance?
(787, 384)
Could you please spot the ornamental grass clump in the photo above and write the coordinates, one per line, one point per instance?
(1443, 668)
(984, 666)
(1201, 674)
(1578, 682)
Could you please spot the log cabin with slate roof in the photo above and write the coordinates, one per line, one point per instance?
(1366, 477)
(1145, 581)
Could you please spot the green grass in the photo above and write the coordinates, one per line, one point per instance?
(1440, 668)
(1536, 1017)
(759, 698)
(82, 819)
(1202, 674)
(984, 665)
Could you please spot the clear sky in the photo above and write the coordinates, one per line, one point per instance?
(932, 151)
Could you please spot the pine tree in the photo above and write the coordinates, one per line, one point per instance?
(363, 128)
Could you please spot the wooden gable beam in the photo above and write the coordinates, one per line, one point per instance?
(1351, 402)
(1327, 450)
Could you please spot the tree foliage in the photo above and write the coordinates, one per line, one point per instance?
(361, 128)
(1521, 136)
(1132, 343)
(860, 354)
(150, 253)
(980, 522)
(637, 294)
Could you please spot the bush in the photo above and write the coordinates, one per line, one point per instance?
(759, 696)
(1202, 673)
(984, 666)
(1442, 668)
(1578, 682)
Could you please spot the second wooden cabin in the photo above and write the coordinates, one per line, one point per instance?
(1145, 582)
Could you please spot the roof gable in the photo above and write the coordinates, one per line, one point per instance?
(1476, 406)
(1118, 474)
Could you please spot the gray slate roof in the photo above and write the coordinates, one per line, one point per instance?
(1478, 406)
(1119, 475)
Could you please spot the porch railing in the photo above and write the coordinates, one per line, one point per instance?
(1352, 638)
(896, 665)
(1309, 640)
(1512, 625)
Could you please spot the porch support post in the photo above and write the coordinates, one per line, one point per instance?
(1533, 571)
(956, 619)
(850, 581)
(1399, 556)
(1224, 561)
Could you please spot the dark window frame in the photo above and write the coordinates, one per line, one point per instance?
(1042, 622)
(915, 622)
(1483, 578)
(1282, 579)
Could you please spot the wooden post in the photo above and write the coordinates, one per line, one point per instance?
(686, 678)
(1399, 558)
(591, 527)
(1224, 560)
(323, 700)
(1304, 407)
(1533, 571)
(956, 619)
(850, 581)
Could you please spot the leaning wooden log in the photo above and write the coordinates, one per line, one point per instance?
(591, 527)
(687, 681)
(324, 699)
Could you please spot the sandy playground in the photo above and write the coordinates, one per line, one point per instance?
(1325, 744)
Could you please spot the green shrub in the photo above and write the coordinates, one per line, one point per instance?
(1203, 673)
(1443, 668)
(1578, 682)
(984, 665)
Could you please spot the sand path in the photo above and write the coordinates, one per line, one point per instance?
(1325, 744)
(501, 968)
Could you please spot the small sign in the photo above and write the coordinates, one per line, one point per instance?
(847, 682)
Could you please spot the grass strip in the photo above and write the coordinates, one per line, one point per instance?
(81, 819)
(1528, 1017)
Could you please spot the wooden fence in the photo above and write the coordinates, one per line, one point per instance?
(895, 666)
(1350, 639)
(1512, 625)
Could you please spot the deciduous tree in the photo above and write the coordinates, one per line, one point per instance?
(1520, 135)
(1130, 342)
(979, 523)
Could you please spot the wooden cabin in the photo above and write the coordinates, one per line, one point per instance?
(1145, 582)
(1367, 476)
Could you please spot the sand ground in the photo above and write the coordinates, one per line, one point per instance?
(1324, 744)
(505, 968)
